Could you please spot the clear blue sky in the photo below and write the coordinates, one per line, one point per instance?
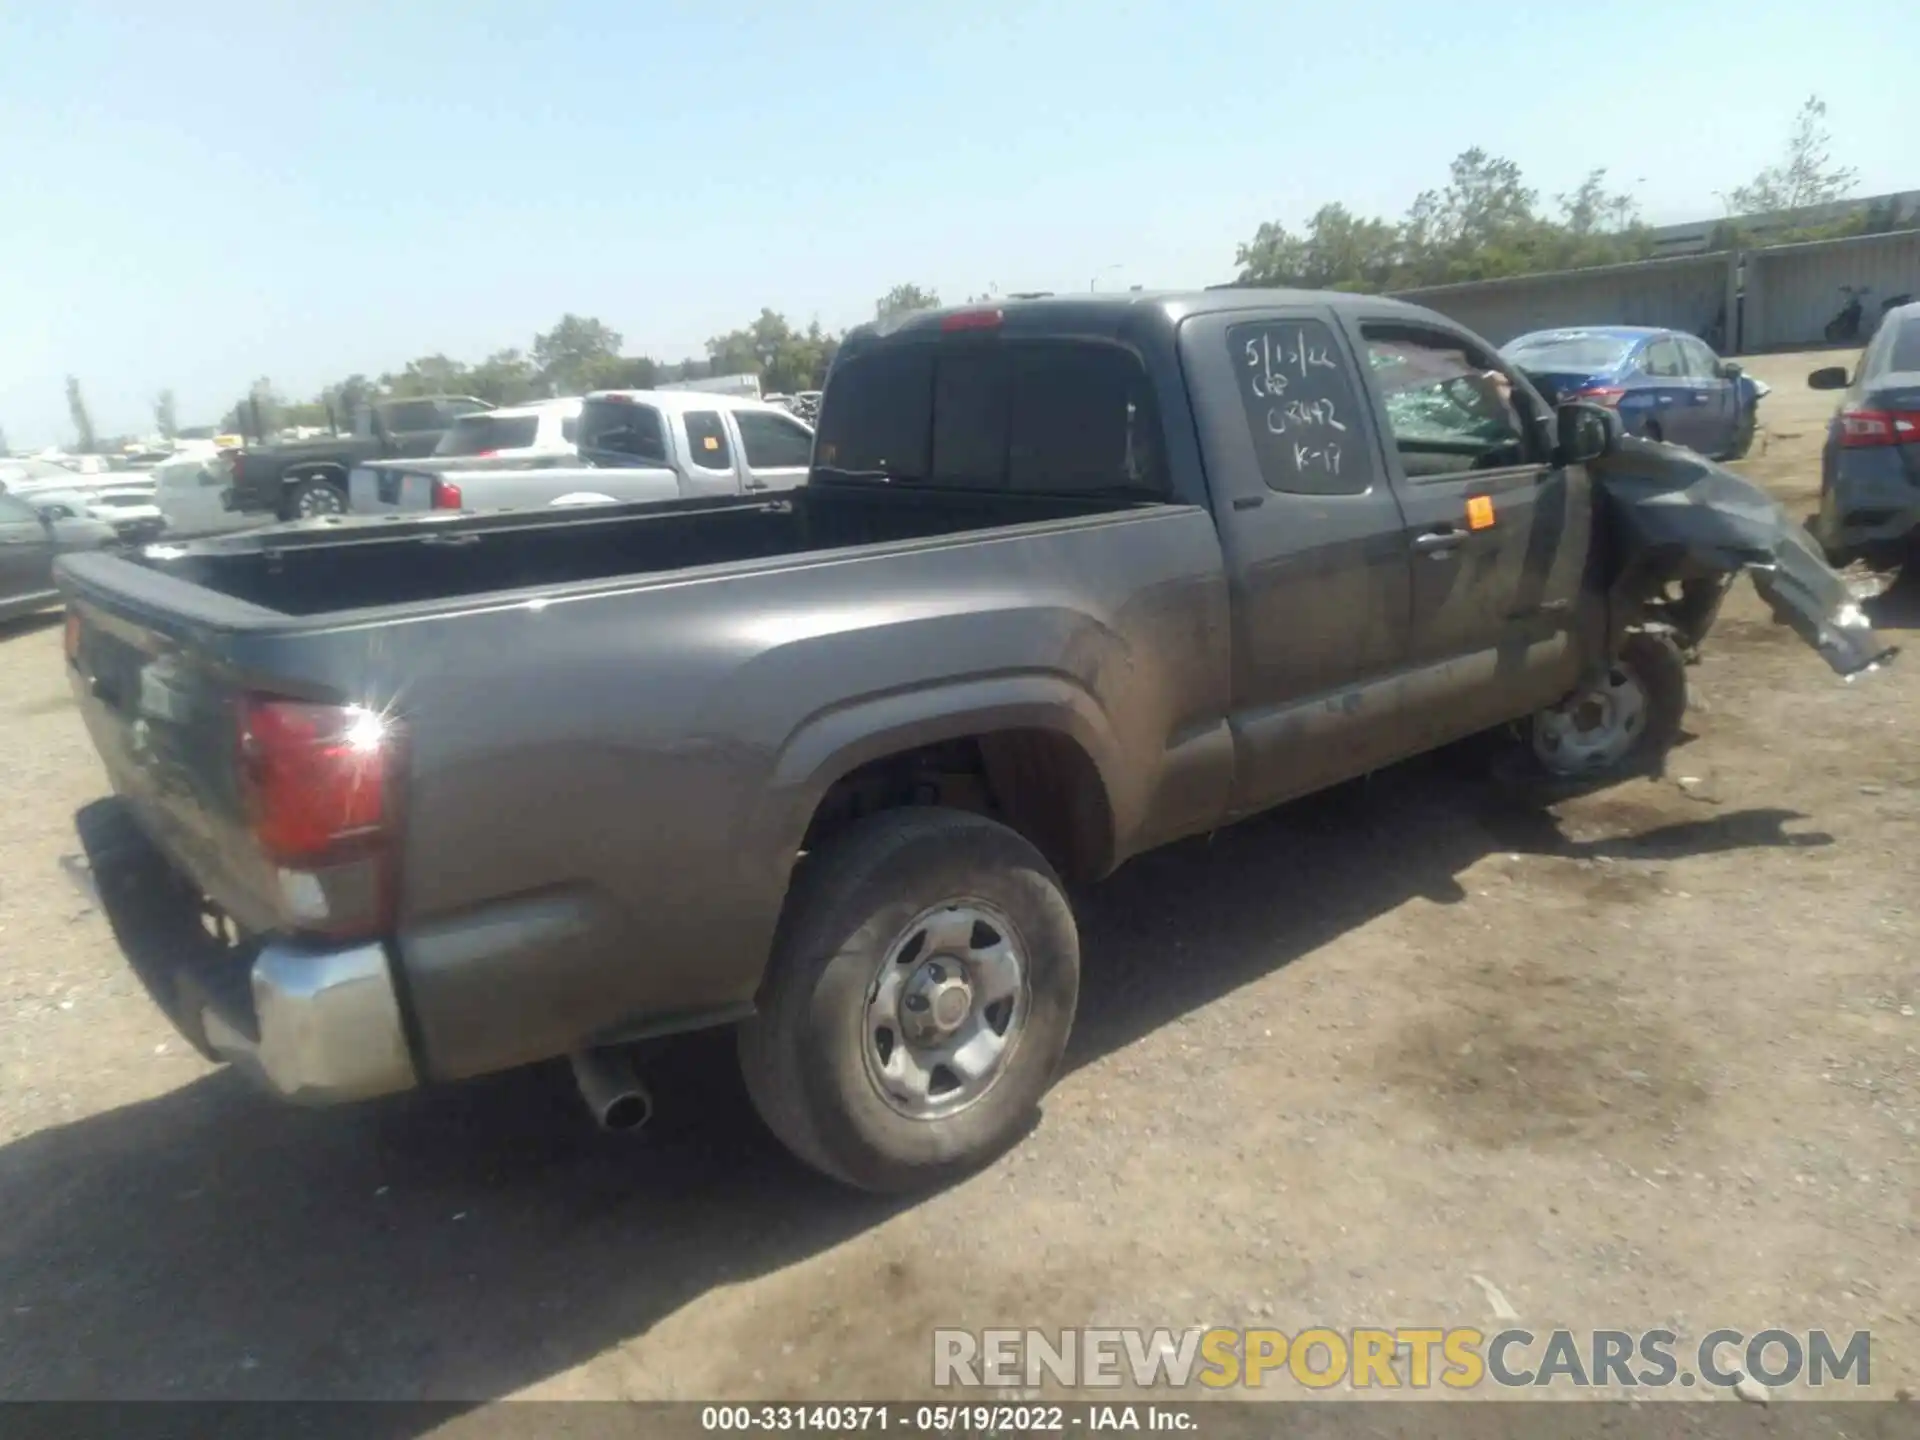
(193, 194)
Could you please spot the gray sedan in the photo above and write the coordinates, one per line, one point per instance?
(29, 542)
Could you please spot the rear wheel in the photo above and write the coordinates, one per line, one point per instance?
(315, 496)
(1625, 723)
(918, 1002)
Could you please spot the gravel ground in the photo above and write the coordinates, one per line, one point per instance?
(1651, 1058)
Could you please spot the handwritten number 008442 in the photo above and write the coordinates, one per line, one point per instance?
(1271, 364)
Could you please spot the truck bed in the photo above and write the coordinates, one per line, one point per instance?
(361, 564)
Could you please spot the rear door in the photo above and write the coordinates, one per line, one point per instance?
(1497, 535)
(26, 551)
(1666, 403)
(1712, 399)
(1314, 542)
(711, 466)
(775, 448)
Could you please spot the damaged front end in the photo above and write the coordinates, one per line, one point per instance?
(1679, 528)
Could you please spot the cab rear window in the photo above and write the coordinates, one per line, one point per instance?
(1039, 416)
(484, 434)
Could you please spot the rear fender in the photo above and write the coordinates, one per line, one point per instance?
(835, 744)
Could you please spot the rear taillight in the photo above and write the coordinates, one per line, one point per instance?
(446, 496)
(316, 776)
(1607, 395)
(972, 320)
(73, 637)
(1865, 429)
(320, 789)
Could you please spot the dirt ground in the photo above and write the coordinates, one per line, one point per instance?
(1651, 1059)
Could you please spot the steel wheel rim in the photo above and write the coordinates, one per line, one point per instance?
(320, 499)
(945, 1010)
(1595, 729)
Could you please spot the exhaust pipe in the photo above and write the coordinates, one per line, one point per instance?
(618, 1098)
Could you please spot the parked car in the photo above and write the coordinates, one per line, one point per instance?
(125, 502)
(1666, 384)
(309, 477)
(646, 446)
(191, 491)
(717, 444)
(512, 437)
(1069, 579)
(29, 543)
(1870, 465)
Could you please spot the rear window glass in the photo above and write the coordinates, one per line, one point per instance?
(707, 438)
(405, 416)
(1568, 352)
(483, 434)
(619, 427)
(1021, 415)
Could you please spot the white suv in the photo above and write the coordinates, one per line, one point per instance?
(512, 437)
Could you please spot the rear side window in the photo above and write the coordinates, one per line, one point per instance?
(1662, 360)
(1041, 416)
(1301, 406)
(619, 427)
(409, 416)
(1906, 347)
(707, 438)
(484, 434)
(773, 442)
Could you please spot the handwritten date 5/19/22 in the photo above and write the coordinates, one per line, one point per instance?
(1311, 423)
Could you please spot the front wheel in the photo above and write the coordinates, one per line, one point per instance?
(1625, 723)
(918, 1001)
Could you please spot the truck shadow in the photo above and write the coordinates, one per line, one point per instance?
(475, 1241)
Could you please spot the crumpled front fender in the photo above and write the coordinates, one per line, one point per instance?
(1676, 520)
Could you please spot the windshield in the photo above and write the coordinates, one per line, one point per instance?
(1568, 350)
(484, 434)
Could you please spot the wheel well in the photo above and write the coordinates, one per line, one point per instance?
(1039, 783)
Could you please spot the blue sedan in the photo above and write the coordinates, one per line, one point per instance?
(1666, 384)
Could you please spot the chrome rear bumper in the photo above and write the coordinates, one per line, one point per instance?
(327, 1026)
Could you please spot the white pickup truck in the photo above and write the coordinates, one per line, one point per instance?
(635, 445)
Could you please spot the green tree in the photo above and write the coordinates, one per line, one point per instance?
(165, 417)
(784, 358)
(505, 377)
(1338, 251)
(571, 354)
(348, 397)
(1805, 175)
(428, 375)
(82, 421)
(904, 300)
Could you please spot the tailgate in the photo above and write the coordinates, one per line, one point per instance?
(162, 711)
(389, 489)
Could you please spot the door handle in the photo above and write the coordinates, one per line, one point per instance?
(1438, 542)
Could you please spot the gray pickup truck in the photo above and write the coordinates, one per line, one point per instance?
(406, 801)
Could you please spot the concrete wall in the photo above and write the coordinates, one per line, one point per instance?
(1688, 293)
(1794, 290)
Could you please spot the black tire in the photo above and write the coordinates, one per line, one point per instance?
(154, 920)
(324, 489)
(1656, 662)
(803, 1051)
(1650, 430)
(1742, 442)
